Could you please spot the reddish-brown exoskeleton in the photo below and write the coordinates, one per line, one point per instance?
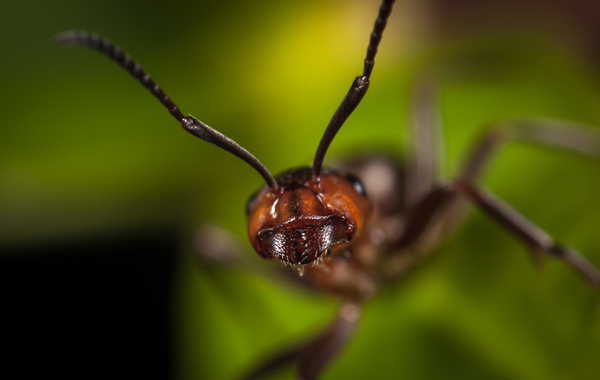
(348, 236)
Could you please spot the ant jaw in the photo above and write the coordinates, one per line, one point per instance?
(304, 242)
(314, 263)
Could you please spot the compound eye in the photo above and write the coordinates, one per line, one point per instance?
(357, 184)
(250, 203)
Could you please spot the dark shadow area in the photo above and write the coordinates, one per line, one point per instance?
(92, 308)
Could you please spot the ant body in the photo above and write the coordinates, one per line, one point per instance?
(347, 231)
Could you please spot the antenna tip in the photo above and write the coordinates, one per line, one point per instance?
(66, 37)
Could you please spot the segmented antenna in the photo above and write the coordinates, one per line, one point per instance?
(357, 90)
(189, 123)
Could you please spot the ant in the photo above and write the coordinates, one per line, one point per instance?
(347, 231)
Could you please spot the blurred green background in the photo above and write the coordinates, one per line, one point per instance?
(88, 156)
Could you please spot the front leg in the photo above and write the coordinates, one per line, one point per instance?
(314, 355)
(216, 246)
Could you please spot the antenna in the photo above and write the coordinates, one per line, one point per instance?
(357, 90)
(189, 123)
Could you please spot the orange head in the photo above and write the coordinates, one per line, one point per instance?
(303, 219)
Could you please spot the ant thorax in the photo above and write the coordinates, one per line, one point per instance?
(305, 219)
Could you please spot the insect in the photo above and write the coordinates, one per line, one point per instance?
(348, 231)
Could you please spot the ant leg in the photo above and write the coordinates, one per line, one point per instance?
(215, 245)
(314, 355)
(277, 361)
(423, 149)
(569, 136)
(421, 216)
(321, 350)
(537, 240)
(557, 134)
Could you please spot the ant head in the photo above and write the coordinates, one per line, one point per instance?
(302, 221)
